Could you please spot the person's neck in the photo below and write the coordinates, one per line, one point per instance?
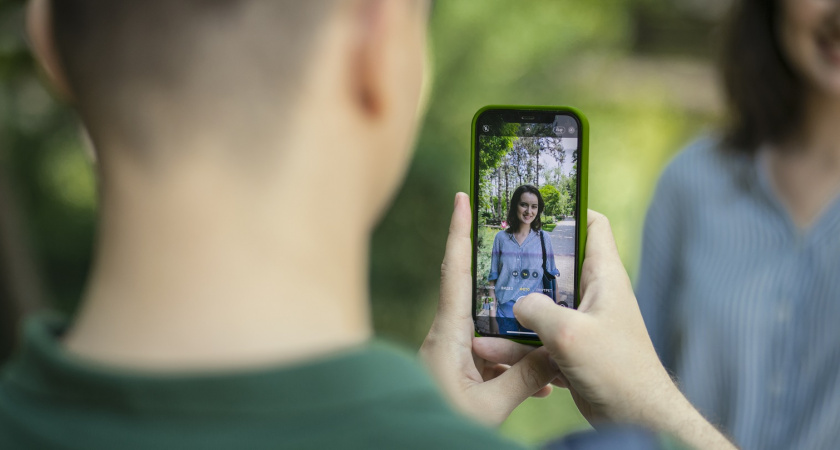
(204, 275)
(818, 137)
(522, 233)
(805, 169)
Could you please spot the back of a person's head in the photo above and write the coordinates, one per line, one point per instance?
(222, 129)
(141, 72)
(241, 96)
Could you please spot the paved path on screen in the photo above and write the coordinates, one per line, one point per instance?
(563, 242)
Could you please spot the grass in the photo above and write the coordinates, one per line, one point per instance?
(538, 420)
(485, 245)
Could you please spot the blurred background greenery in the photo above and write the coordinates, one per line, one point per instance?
(641, 70)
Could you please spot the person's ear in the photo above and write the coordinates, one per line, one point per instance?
(369, 58)
(375, 62)
(39, 31)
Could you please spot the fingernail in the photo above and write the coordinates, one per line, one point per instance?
(458, 196)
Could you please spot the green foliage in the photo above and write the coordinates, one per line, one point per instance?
(568, 187)
(46, 180)
(485, 245)
(495, 148)
(551, 197)
(512, 162)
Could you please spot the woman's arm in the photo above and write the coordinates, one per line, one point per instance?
(493, 297)
(494, 324)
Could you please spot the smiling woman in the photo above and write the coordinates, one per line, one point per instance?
(526, 205)
(738, 282)
(778, 58)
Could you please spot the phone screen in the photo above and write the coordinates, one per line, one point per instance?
(525, 227)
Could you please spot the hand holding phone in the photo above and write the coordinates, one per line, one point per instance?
(484, 390)
(604, 352)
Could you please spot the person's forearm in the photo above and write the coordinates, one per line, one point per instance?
(673, 414)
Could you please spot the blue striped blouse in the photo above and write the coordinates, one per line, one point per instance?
(742, 305)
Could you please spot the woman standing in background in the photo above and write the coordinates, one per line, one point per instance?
(739, 280)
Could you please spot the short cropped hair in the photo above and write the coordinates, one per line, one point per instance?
(513, 217)
(120, 55)
(764, 95)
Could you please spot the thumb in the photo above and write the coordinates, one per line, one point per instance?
(546, 318)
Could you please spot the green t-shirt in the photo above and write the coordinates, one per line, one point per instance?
(372, 397)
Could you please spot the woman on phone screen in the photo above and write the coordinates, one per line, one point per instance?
(738, 282)
(516, 264)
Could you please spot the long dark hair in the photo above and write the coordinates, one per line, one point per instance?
(513, 218)
(764, 95)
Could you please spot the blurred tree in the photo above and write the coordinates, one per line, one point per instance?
(47, 189)
(568, 188)
(552, 199)
(496, 149)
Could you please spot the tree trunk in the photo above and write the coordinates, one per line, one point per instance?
(499, 193)
(21, 290)
(507, 188)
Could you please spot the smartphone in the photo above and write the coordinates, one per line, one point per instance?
(529, 203)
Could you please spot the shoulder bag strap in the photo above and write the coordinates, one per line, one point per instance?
(542, 241)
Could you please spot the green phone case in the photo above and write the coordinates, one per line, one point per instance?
(583, 190)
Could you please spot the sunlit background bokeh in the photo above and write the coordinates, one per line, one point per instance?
(641, 70)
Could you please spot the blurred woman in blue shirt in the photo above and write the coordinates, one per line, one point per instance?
(739, 282)
(516, 264)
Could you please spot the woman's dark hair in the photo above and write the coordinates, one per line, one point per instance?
(513, 218)
(764, 95)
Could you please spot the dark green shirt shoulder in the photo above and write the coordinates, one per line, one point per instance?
(372, 397)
